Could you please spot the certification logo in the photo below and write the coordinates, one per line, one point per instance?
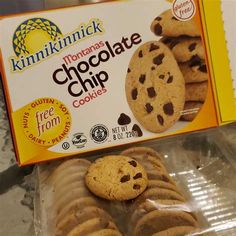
(99, 133)
(79, 140)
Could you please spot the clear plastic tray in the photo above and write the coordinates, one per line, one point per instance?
(203, 167)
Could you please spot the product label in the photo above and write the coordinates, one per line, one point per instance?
(101, 75)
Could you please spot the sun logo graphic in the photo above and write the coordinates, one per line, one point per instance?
(33, 34)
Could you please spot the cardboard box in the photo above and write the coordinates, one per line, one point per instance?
(69, 75)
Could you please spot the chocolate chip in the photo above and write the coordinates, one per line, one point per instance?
(151, 92)
(125, 178)
(138, 176)
(192, 47)
(168, 109)
(167, 40)
(153, 68)
(124, 119)
(161, 76)
(153, 47)
(142, 79)
(174, 18)
(158, 18)
(174, 43)
(170, 79)
(140, 54)
(158, 29)
(133, 163)
(158, 60)
(137, 129)
(195, 61)
(203, 68)
(128, 70)
(94, 178)
(136, 186)
(134, 94)
(160, 119)
(149, 108)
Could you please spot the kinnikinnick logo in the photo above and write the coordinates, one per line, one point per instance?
(37, 39)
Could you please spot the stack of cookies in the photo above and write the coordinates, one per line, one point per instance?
(161, 209)
(157, 207)
(184, 40)
(76, 211)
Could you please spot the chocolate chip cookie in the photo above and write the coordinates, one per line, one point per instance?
(116, 178)
(164, 220)
(196, 91)
(73, 219)
(167, 25)
(185, 48)
(191, 109)
(155, 87)
(194, 73)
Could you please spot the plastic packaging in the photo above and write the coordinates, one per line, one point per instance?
(201, 166)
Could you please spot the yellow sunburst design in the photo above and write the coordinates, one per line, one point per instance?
(33, 34)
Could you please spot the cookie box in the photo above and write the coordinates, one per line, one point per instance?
(192, 193)
(97, 76)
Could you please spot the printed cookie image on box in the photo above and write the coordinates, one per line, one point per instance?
(155, 87)
(167, 80)
(184, 40)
